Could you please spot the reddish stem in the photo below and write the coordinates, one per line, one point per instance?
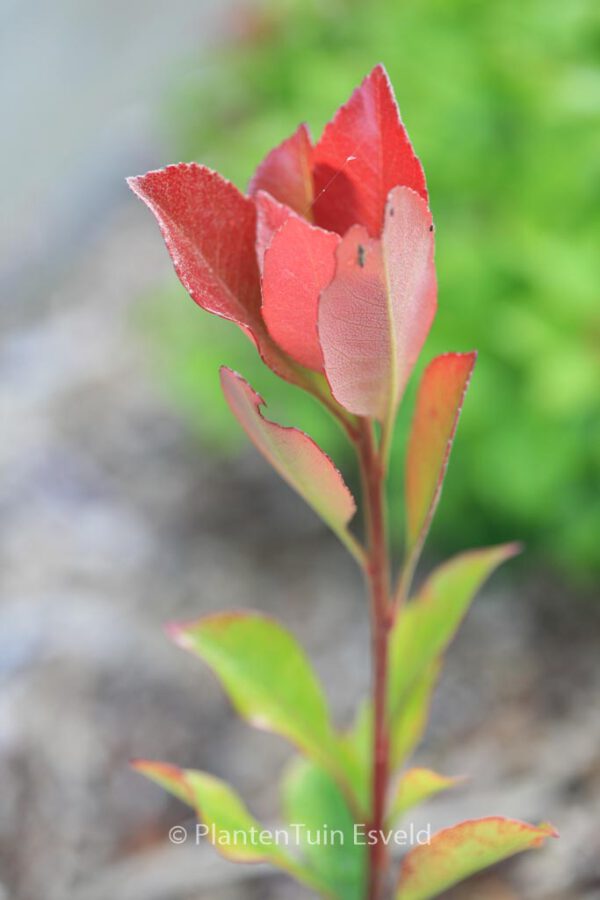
(378, 577)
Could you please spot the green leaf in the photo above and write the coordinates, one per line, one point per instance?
(416, 786)
(426, 625)
(268, 678)
(458, 852)
(313, 801)
(356, 746)
(228, 824)
(406, 730)
(409, 721)
(296, 457)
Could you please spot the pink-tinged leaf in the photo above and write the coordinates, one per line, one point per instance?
(376, 313)
(209, 228)
(286, 173)
(458, 852)
(229, 826)
(298, 265)
(296, 457)
(270, 216)
(416, 786)
(439, 403)
(363, 153)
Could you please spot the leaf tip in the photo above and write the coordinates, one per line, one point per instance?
(549, 831)
(177, 632)
(513, 548)
(153, 769)
(232, 380)
(226, 375)
(134, 183)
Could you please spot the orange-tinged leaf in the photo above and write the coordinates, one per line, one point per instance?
(416, 786)
(439, 402)
(229, 826)
(169, 777)
(299, 263)
(377, 311)
(296, 457)
(364, 153)
(458, 852)
(286, 173)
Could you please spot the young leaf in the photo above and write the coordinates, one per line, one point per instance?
(425, 626)
(439, 402)
(286, 173)
(267, 677)
(416, 786)
(296, 457)
(377, 311)
(364, 152)
(314, 801)
(298, 264)
(229, 827)
(458, 852)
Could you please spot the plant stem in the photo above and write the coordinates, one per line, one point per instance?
(373, 471)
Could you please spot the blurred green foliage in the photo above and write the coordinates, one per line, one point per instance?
(502, 103)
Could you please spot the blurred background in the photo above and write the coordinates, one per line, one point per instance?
(129, 496)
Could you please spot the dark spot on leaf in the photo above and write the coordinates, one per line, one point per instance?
(361, 256)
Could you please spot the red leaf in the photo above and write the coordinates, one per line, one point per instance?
(293, 454)
(299, 263)
(286, 173)
(439, 402)
(209, 229)
(376, 313)
(271, 215)
(364, 153)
